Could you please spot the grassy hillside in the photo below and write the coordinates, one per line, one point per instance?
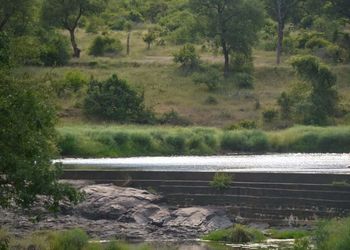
(167, 88)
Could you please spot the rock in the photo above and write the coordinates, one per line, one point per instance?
(110, 212)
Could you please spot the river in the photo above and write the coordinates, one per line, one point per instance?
(274, 163)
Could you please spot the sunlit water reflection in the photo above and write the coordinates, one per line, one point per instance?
(286, 163)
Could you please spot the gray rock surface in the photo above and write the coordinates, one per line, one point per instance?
(110, 212)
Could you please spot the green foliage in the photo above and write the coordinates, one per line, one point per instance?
(244, 124)
(103, 45)
(187, 57)
(238, 234)
(180, 27)
(323, 98)
(302, 244)
(4, 240)
(4, 51)
(289, 234)
(221, 180)
(150, 37)
(173, 118)
(270, 115)
(211, 100)
(75, 80)
(74, 239)
(285, 102)
(211, 77)
(114, 100)
(222, 27)
(244, 141)
(54, 50)
(27, 137)
(244, 80)
(333, 234)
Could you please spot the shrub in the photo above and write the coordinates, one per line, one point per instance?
(114, 100)
(55, 50)
(244, 80)
(149, 38)
(103, 45)
(74, 239)
(242, 63)
(173, 118)
(211, 78)
(302, 244)
(211, 100)
(238, 234)
(187, 57)
(333, 234)
(244, 124)
(75, 80)
(270, 115)
(221, 180)
(4, 240)
(177, 143)
(285, 102)
(244, 141)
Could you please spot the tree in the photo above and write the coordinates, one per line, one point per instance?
(11, 8)
(27, 146)
(128, 29)
(67, 14)
(149, 38)
(187, 57)
(323, 98)
(280, 11)
(231, 25)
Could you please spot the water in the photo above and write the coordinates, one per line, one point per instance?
(274, 163)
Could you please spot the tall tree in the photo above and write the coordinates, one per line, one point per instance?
(11, 8)
(231, 25)
(66, 14)
(280, 11)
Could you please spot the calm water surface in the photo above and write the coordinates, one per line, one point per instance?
(286, 163)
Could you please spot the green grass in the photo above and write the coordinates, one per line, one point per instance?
(289, 234)
(236, 234)
(129, 140)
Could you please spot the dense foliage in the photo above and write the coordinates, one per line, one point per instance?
(27, 146)
(114, 100)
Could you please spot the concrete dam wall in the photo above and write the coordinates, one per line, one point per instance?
(273, 198)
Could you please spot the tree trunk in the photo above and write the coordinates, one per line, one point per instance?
(280, 42)
(76, 50)
(227, 58)
(128, 43)
(148, 46)
(280, 32)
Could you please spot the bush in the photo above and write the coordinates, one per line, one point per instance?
(333, 234)
(187, 57)
(211, 78)
(244, 141)
(103, 45)
(221, 180)
(173, 118)
(238, 234)
(244, 124)
(74, 239)
(114, 100)
(149, 38)
(211, 100)
(242, 63)
(244, 80)
(270, 115)
(75, 80)
(4, 240)
(55, 50)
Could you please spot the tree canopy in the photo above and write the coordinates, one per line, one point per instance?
(67, 14)
(27, 146)
(231, 25)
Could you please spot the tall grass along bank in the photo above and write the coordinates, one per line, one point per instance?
(127, 141)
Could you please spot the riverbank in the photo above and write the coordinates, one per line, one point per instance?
(127, 141)
(110, 212)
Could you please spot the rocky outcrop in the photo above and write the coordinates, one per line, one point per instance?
(110, 211)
